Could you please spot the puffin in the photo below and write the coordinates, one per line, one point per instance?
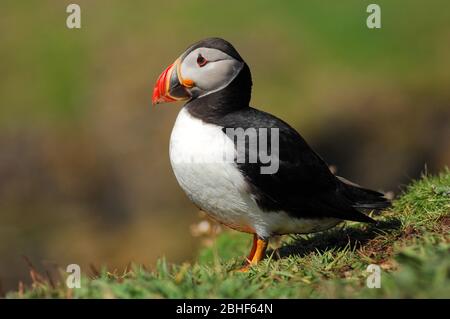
(296, 193)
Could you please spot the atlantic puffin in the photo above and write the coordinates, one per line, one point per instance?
(300, 196)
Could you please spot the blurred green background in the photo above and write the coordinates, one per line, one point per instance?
(84, 168)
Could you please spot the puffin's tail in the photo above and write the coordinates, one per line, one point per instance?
(363, 198)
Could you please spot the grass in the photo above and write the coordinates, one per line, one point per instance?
(410, 244)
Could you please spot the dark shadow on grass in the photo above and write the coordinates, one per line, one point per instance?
(337, 238)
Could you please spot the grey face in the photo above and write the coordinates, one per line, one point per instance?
(210, 70)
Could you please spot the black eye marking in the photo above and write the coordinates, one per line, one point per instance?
(201, 61)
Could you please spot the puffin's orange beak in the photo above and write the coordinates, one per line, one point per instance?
(169, 87)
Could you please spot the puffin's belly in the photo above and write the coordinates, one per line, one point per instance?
(198, 154)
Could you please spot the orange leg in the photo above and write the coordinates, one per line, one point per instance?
(261, 246)
(253, 250)
(256, 254)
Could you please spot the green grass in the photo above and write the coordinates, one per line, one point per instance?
(410, 244)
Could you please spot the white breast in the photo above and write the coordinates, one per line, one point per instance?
(199, 154)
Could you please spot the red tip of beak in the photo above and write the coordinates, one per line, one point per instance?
(161, 89)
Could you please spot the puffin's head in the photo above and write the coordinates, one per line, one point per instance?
(206, 67)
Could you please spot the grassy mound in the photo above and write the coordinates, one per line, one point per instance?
(410, 244)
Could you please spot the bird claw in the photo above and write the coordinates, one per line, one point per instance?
(243, 269)
(248, 264)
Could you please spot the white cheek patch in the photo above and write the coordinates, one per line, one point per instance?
(220, 70)
(216, 75)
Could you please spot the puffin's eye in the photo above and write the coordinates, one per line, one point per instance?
(201, 61)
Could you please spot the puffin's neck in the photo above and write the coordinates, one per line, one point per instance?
(233, 97)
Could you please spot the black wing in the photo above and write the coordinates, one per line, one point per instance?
(303, 186)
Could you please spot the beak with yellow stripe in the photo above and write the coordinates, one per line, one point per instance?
(170, 86)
